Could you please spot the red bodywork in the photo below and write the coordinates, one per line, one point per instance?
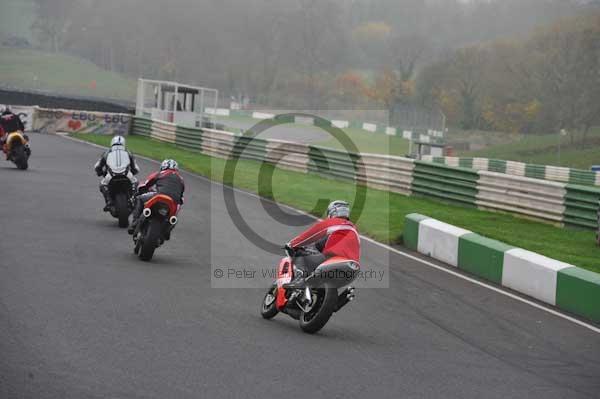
(285, 274)
(165, 199)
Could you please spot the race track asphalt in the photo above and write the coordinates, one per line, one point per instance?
(82, 317)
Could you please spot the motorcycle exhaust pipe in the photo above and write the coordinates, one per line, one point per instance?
(147, 212)
(346, 296)
(173, 220)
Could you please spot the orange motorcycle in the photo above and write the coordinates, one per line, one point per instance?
(17, 149)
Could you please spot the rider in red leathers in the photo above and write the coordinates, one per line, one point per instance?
(167, 181)
(334, 236)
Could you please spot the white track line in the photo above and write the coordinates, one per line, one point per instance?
(396, 251)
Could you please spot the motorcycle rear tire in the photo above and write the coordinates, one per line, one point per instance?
(150, 239)
(312, 322)
(20, 158)
(122, 210)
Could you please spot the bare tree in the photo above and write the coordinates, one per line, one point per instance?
(466, 72)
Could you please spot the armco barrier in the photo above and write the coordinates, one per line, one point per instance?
(189, 138)
(555, 202)
(581, 206)
(525, 196)
(556, 283)
(544, 172)
(377, 171)
(443, 182)
(141, 127)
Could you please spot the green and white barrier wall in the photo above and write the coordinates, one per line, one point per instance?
(377, 171)
(556, 283)
(556, 202)
(545, 172)
(445, 183)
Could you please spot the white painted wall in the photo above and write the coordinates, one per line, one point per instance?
(531, 274)
(439, 240)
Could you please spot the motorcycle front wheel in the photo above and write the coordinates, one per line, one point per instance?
(324, 302)
(268, 309)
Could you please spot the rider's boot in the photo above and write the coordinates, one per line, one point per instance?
(298, 281)
(107, 199)
(135, 216)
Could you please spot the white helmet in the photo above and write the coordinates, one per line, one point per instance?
(169, 164)
(117, 140)
(338, 209)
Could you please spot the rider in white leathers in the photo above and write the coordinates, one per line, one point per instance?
(116, 144)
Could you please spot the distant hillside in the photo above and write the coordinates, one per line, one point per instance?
(63, 74)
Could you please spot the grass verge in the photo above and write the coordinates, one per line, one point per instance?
(383, 214)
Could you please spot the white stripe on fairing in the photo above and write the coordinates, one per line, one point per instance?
(384, 246)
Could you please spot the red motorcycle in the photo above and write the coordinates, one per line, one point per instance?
(158, 219)
(311, 300)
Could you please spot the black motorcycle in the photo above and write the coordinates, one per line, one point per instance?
(122, 186)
